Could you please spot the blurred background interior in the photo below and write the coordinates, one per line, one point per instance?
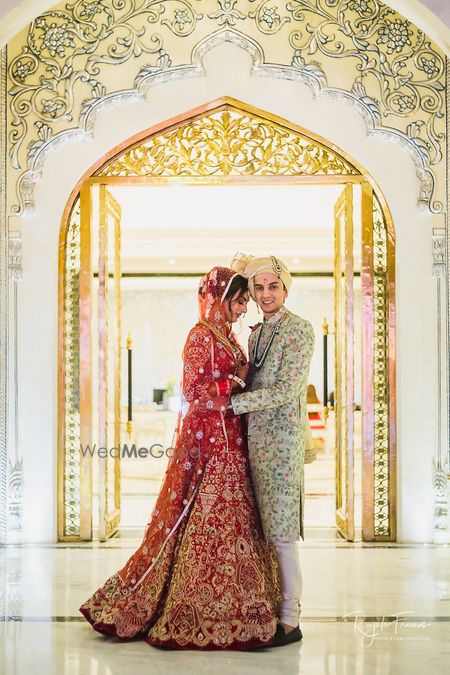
(165, 251)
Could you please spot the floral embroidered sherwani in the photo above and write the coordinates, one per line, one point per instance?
(276, 403)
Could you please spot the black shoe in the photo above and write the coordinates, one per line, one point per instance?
(282, 638)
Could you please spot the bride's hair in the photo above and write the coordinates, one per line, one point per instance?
(240, 284)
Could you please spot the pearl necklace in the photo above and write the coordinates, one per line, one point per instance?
(257, 363)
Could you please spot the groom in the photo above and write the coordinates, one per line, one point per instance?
(280, 351)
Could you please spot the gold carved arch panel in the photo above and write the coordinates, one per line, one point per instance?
(228, 141)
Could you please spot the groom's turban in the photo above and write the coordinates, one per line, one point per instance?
(249, 266)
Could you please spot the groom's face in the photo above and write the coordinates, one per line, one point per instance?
(270, 293)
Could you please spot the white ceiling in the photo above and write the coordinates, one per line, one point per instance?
(181, 228)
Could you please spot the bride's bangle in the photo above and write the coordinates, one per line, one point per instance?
(223, 388)
(237, 379)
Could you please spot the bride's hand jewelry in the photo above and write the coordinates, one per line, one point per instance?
(237, 379)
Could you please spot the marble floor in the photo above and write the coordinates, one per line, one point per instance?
(366, 609)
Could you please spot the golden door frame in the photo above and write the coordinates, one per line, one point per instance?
(229, 142)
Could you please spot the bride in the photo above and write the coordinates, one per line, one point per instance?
(203, 576)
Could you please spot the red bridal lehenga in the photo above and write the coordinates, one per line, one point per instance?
(203, 576)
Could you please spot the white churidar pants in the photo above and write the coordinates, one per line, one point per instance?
(291, 581)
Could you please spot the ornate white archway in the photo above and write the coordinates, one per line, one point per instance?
(60, 72)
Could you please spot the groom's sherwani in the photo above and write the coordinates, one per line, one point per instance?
(276, 401)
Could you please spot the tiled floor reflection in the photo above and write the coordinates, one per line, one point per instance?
(353, 595)
(327, 648)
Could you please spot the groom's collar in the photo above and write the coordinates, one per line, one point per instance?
(273, 319)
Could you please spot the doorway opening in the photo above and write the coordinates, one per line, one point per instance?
(156, 214)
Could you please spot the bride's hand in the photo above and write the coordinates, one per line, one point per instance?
(242, 370)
